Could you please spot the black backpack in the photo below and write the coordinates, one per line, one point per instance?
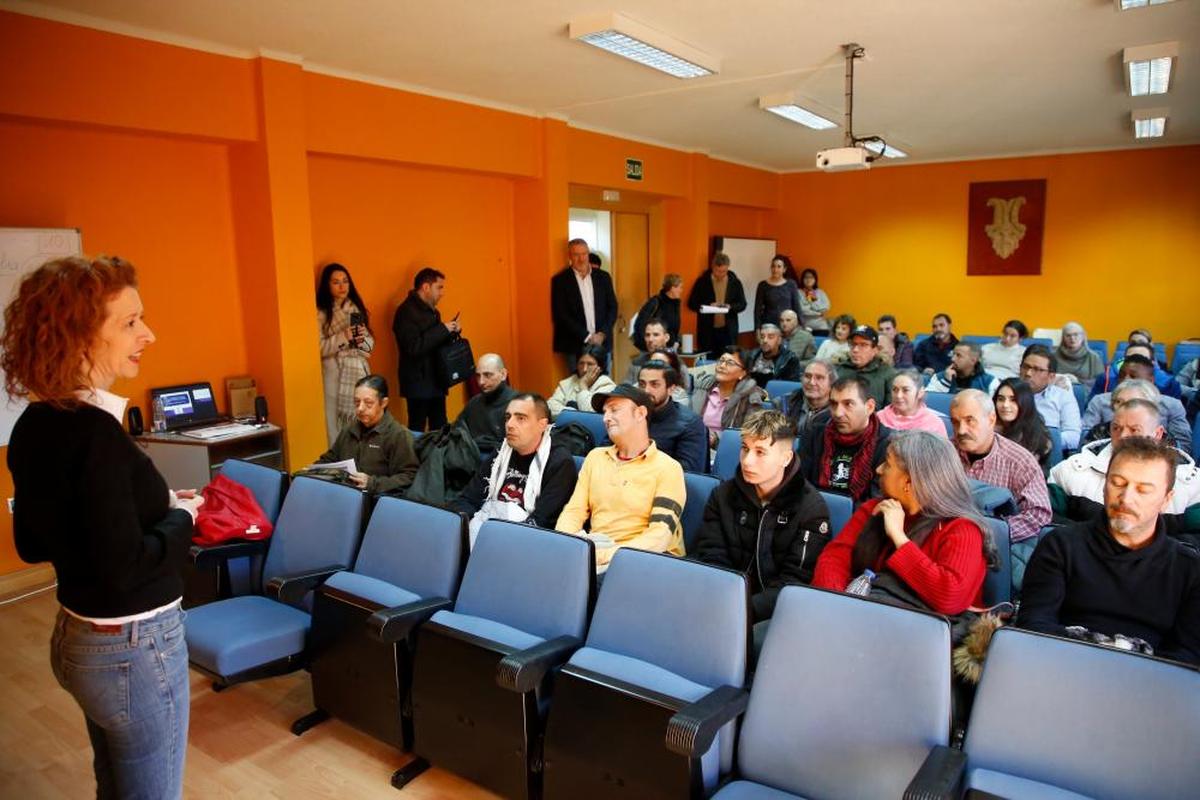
(575, 437)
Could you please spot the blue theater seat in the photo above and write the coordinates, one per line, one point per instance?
(365, 620)
(729, 454)
(589, 419)
(669, 637)
(841, 507)
(254, 636)
(873, 701)
(778, 391)
(939, 402)
(698, 488)
(483, 674)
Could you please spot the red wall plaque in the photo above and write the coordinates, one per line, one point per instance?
(1005, 223)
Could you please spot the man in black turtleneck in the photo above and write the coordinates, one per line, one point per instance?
(483, 415)
(1119, 573)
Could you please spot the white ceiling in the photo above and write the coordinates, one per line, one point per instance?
(943, 79)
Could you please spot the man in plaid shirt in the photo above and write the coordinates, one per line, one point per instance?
(993, 459)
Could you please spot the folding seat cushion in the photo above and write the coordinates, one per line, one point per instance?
(250, 631)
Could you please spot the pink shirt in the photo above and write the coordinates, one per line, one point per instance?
(714, 407)
(923, 420)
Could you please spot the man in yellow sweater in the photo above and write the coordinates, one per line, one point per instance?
(632, 493)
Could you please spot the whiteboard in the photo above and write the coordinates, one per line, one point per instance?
(750, 259)
(23, 250)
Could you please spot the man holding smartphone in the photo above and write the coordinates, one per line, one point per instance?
(419, 332)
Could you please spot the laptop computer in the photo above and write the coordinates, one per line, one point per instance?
(190, 405)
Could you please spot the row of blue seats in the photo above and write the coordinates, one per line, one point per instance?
(519, 676)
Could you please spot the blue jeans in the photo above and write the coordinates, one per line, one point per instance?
(132, 684)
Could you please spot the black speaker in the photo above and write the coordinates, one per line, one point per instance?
(135, 421)
(260, 409)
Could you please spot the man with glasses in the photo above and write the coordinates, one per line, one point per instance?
(808, 406)
(867, 363)
(725, 396)
(1056, 404)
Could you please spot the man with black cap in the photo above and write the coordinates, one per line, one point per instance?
(867, 364)
(632, 493)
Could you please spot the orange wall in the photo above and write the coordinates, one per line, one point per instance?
(1121, 247)
(387, 221)
(161, 203)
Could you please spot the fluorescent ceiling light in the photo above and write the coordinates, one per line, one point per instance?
(784, 104)
(1148, 68)
(885, 150)
(627, 37)
(1126, 5)
(1150, 123)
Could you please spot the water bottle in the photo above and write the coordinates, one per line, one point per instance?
(861, 585)
(160, 418)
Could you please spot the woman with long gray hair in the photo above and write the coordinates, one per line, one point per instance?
(925, 541)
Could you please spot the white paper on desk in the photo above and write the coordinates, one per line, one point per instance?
(347, 465)
(707, 309)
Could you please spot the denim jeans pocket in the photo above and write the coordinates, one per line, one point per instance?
(101, 690)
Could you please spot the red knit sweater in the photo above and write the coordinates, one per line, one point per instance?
(946, 571)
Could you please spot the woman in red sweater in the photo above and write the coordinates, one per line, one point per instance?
(925, 534)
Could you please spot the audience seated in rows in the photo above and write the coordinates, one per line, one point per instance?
(663, 307)
(836, 349)
(1077, 361)
(797, 338)
(907, 410)
(924, 539)
(655, 339)
(530, 478)
(1138, 345)
(1119, 574)
(771, 361)
(1135, 381)
(767, 522)
(998, 461)
(676, 430)
(1058, 406)
(1003, 358)
(1017, 418)
(933, 353)
(589, 377)
(483, 415)
(965, 372)
(723, 398)
(808, 406)
(630, 492)
(866, 363)
(886, 325)
(1077, 484)
(381, 447)
(843, 454)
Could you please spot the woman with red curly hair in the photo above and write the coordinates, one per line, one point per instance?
(91, 502)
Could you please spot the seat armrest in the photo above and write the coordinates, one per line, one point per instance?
(940, 777)
(214, 555)
(690, 732)
(524, 670)
(390, 625)
(291, 589)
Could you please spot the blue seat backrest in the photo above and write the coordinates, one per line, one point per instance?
(413, 546)
(779, 389)
(589, 419)
(1081, 396)
(1160, 352)
(1101, 348)
(533, 580)
(578, 462)
(1184, 352)
(947, 424)
(1095, 721)
(1038, 340)
(840, 508)
(939, 402)
(729, 454)
(1056, 445)
(883, 696)
(819, 340)
(319, 526)
(268, 485)
(993, 501)
(684, 616)
(698, 488)
(997, 584)
(979, 339)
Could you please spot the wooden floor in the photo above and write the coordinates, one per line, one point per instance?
(239, 745)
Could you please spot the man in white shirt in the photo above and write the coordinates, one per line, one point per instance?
(583, 305)
(1057, 405)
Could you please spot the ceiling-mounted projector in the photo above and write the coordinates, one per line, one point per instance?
(841, 159)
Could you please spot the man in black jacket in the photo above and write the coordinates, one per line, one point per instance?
(1120, 574)
(583, 305)
(772, 361)
(767, 521)
(484, 414)
(842, 455)
(419, 332)
(678, 431)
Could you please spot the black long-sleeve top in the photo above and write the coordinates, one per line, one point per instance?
(558, 483)
(1080, 575)
(89, 501)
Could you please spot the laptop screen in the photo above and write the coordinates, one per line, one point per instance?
(186, 405)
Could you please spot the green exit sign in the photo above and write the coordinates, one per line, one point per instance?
(633, 169)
